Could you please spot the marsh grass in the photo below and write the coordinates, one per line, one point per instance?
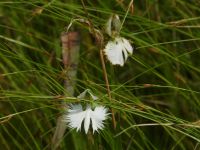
(155, 95)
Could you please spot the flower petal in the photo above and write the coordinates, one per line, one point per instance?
(113, 24)
(87, 119)
(98, 116)
(113, 51)
(83, 94)
(117, 51)
(124, 52)
(108, 26)
(75, 116)
(127, 45)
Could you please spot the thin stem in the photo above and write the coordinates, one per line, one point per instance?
(129, 6)
(107, 85)
(87, 15)
(99, 37)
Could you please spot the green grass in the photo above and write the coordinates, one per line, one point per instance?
(155, 95)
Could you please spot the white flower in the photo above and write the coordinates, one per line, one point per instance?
(76, 115)
(117, 50)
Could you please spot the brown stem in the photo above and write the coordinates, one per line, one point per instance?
(99, 38)
(87, 15)
(107, 85)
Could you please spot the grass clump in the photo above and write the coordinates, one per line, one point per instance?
(155, 96)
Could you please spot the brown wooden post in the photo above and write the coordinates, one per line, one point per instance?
(70, 53)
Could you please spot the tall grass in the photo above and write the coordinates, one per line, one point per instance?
(155, 96)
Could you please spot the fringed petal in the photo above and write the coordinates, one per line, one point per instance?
(75, 117)
(98, 116)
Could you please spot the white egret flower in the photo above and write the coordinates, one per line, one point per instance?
(117, 50)
(76, 115)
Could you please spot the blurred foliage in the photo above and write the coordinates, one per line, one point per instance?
(155, 96)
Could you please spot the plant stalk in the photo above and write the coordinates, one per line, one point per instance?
(107, 86)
